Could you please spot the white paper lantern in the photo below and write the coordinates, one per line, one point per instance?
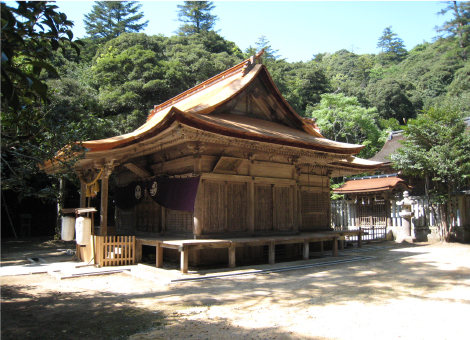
(83, 230)
(68, 228)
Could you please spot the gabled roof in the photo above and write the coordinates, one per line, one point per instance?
(218, 106)
(390, 147)
(196, 106)
(371, 185)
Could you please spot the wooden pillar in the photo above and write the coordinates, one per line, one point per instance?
(159, 255)
(82, 194)
(306, 250)
(104, 205)
(359, 240)
(184, 259)
(250, 207)
(231, 256)
(295, 208)
(272, 252)
(138, 251)
(335, 247)
(199, 210)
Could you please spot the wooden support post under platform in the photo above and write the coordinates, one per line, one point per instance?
(335, 247)
(272, 252)
(184, 259)
(231, 256)
(306, 250)
(187, 246)
(159, 255)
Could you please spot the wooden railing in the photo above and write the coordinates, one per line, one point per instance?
(115, 250)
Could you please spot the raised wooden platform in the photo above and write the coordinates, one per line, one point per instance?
(185, 245)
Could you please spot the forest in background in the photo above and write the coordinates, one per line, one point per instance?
(106, 84)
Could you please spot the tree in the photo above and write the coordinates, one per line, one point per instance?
(134, 72)
(393, 48)
(390, 98)
(437, 149)
(459, 27)
(301, 84)
(109, 19)
(196, 16)
(343, 119)
(269, 56)
(30, 33)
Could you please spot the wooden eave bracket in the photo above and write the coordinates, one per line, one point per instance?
(142, 173)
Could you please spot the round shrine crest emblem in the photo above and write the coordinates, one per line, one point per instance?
(153, 190)
(138, 192)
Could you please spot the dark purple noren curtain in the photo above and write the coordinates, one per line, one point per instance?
(174, 193)
(128, 196)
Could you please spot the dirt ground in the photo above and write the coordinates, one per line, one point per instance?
(398, 291)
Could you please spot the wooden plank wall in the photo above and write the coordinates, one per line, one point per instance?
(283, 208)
(314, 210)
(263, 207)
(236, 206)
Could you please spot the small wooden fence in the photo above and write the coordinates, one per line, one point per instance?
(115, 250)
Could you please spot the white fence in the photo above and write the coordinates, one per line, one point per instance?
(427, 216)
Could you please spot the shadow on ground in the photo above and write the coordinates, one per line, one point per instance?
(118, 306)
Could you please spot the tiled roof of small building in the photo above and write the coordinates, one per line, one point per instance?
(371, 185)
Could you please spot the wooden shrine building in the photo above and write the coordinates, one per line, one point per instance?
(227, 159)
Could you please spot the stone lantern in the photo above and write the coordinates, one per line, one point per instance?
(406, 214)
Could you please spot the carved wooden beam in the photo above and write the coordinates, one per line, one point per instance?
(137, 170)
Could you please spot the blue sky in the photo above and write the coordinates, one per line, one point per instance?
(298, 29)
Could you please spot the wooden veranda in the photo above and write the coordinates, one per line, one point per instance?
(184, 246)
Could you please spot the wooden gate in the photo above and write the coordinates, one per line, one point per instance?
(115, 250)
(372, 217)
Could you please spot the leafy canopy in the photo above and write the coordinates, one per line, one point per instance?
(343, 119)
(31, 132)
(436, 146)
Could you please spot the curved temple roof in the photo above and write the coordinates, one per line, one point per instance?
(197, 107)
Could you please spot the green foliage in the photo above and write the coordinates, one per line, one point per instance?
(393, 48)
(109, 19)
(343, 119)
(390, 97)
(302, 84)
(196, 16)
(437, 147)
(134, 72)
(29, 35)
(31, 132)
(458, 28)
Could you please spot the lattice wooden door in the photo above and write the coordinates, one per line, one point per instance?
(372, 217)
